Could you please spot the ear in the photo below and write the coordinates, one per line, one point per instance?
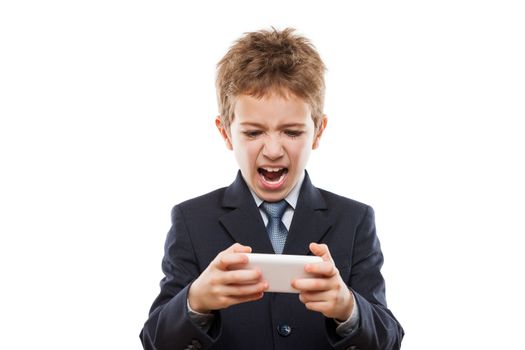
(224, 133)
(319, 132)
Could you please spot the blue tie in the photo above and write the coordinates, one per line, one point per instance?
(275, 227)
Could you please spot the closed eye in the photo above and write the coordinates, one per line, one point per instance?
(293, 133)
(252, 133)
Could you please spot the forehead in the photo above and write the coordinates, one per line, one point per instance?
(271, 107)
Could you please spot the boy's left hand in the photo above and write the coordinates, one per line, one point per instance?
(327, 293)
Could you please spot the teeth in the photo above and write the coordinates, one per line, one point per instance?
(273, 170)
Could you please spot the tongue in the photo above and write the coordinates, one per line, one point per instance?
(272, 175)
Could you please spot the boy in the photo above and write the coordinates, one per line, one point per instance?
(270, 88)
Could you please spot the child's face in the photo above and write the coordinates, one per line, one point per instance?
(271, 138)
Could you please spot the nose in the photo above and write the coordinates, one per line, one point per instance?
(273, 148)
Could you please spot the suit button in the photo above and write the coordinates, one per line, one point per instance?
(197, 344)
(284, 330)
(353, 347)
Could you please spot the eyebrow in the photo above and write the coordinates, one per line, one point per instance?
(294, 125)
(289, 125)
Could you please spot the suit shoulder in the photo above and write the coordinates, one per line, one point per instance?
(337, 201)
(209, 200)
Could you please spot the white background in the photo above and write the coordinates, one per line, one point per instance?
(107, 111)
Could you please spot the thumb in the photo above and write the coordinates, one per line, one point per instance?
(239, 248)
(321, 250)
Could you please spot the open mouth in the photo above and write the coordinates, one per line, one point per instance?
(273, 175)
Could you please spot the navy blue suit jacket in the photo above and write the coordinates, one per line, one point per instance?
(204, 226)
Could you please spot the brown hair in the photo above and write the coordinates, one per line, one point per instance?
(270, 61)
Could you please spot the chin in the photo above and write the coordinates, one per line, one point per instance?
(272, 196)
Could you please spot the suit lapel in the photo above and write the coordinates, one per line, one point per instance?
(244, 223)
(309, 223)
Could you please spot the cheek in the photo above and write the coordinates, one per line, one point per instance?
(299, 151)
(247, 153)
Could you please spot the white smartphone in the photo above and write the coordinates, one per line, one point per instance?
(279, 270)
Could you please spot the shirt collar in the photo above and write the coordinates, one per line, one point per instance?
(291, 198)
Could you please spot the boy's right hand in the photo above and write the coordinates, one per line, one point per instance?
(222, 284)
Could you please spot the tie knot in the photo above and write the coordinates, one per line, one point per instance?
(275, 209)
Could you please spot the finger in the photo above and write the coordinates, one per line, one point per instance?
(239, 248)
(227, 260)
(321, 250)
(311, 284)
(319, 306)
(236, 248)
(241, 276)
(326, 268)
(307, 297)
(245, 290)
(234, 267)
(233, 300)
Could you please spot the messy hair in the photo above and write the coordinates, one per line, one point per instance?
(270, 61)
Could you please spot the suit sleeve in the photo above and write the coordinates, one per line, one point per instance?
(378, 329)
(169, 325)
